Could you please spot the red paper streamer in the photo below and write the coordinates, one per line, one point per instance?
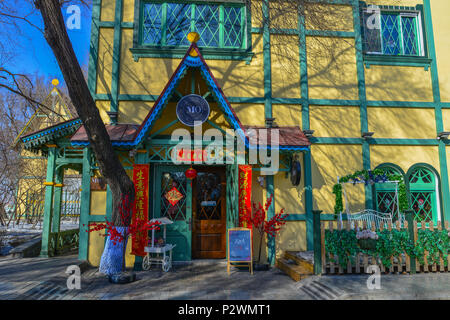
(140, 207)
(245, 193)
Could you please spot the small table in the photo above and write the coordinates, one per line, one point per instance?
(166, 250)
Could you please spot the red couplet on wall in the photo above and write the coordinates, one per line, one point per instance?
(140, 209)
(245, 193)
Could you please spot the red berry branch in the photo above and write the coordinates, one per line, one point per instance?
(257, 219)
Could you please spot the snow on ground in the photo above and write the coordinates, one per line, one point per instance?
(19, 233)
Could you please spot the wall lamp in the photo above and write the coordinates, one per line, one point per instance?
(443, 135)
(308, 133)
(367, 135)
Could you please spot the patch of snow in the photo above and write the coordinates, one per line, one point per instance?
(306, 255)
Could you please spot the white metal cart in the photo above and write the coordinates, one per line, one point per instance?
(159, 254)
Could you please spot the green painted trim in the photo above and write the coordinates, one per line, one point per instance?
(93, 47)
(374, 141)
(295, 101)
(96, 218)
(267, 62)
(48, 203)
(362, 96)
(178, 53)
(303, 72)
(386, 60)
(445, 193)
(307, 164)
(109, 203)
(57, 200)
(115, 73)
(85, 205)
(317, 242)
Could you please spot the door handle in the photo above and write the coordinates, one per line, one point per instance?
(190, 224)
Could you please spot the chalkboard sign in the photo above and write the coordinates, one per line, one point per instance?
(240, 248)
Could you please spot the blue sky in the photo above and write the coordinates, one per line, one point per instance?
(34, 55)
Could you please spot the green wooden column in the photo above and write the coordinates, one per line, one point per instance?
(307, 158)
(48, 204)
(308, 201)
(317, 243)
(57, 200)
(362, 97)
(85, 205)
(409, 214)
(141, 158)
(438, 111)
(270, 213)
(267, 62)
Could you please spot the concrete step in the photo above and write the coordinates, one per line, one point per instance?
(306, 264)
(293, 270)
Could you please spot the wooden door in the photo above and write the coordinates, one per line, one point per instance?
(209, 213)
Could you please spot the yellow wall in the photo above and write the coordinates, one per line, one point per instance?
(408, 123)
(333, 121)
(331, 68)
(390, 83)
(98, 203)
(329, 162)
(441, 25)
(96, 246)
(404, 156)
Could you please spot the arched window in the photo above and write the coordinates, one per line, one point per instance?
(386, 193)
(423, 185)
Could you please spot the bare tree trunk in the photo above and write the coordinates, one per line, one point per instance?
(108, 162)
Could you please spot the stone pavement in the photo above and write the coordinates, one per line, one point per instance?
(37, 279)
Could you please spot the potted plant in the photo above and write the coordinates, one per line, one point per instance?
(271, 227)
(367, 239)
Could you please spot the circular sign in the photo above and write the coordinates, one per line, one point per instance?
(192, 108)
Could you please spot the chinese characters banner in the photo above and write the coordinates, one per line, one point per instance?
(245, 193)
(140, 209)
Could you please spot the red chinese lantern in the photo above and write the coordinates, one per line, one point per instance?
(191, 173)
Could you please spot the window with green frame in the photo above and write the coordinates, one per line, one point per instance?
(424, 198)
(386, 193)
(166, 24)
(393, 33)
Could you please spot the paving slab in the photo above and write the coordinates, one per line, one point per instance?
(45, 279)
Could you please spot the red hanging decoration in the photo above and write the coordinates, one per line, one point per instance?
(191, 173)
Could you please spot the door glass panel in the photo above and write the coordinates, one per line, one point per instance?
(209, 191)
(173, 195)
(422, 206)
(386, 202)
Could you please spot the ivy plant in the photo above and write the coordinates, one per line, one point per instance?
(370, 176)
(344, 245)
(436, 242)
